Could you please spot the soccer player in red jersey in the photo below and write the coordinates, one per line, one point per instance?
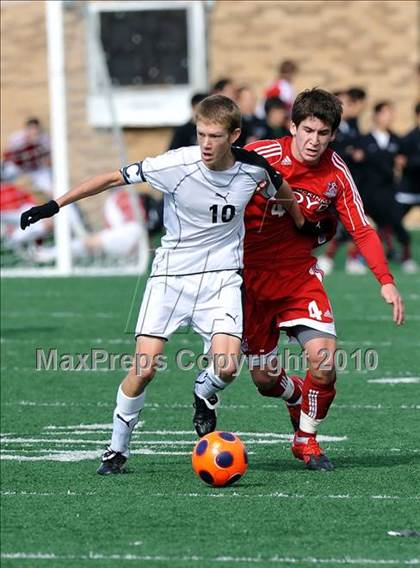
(282, 283)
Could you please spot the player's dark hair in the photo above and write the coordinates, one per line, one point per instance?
(32, 121)
(197, 98)
(221, 84)
(221, 110)
(356, 93)
(274, 103)
(320, 104)
(288, 67)
(379, 106)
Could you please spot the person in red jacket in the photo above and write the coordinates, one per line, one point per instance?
(282, 283)
(282, 87)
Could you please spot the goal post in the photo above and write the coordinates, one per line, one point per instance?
(105, 234)
(58, 129)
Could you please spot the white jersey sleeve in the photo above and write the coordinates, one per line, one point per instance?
(163, 172)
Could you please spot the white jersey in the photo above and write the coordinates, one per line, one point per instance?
(203, 209)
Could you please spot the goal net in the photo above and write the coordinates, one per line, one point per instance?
(103, 234)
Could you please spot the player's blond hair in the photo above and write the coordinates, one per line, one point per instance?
(221, 110)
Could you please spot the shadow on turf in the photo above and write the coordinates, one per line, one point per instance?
(376, 461)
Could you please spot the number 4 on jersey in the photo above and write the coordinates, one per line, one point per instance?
(277, 210)
(314, 311)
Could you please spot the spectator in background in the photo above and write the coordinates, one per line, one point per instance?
(225, 87)
(186, 135)
(382, 161)
(409, 189)
(28, 152)
(14, 200)
(356, 105)
(276, 119)
(347, 138)
(253, 128)
(119, 240)
(347, 145)
(282, 87)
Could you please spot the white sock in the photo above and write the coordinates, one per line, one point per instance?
(208, 383)
(126, 416)
(309, 424)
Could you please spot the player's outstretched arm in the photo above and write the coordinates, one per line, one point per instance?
(92, 186)
(286, 197)
(390, 294)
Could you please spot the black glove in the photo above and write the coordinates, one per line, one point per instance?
(323, 227)
(34, 214)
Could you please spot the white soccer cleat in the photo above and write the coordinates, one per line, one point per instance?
(354, 266)
(326, 264)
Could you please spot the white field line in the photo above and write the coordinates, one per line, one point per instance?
(221, 494)
(76, 456)
(279, 495)
(89, 342)
(367, 343)
(175, 406)
(396, 380)
(311, 560)
(259, 438)
(29, 449)
(409, 317)
(108, 427)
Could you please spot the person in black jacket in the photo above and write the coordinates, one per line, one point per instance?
(346, 144)
(253, 128)
(409, 190)
(382, 160)
(186, 135)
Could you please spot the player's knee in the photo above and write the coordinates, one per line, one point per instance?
(321, 365)
(142, 373)
(228, 372)
(325, 376)
(264, 382)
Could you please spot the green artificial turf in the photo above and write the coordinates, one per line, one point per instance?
(60, 513)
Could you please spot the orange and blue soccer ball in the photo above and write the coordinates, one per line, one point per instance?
(220, 459)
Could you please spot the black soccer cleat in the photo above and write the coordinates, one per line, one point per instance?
(112, 462)
(319, 463)
(311, 453)
(204, 418)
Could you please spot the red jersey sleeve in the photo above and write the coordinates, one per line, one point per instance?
(271, 150)
(350, 209)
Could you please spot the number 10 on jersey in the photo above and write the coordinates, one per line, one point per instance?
(227, 213)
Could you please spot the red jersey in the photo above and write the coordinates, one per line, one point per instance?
(13, 198)
(320, 190)
(28, 153)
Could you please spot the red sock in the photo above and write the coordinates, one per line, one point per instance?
(281, 385)
(316, 400)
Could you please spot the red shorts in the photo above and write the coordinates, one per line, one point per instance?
(275, 300)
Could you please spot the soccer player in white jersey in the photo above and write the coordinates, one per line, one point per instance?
(195, 275)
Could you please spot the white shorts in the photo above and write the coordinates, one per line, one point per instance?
(209, 302)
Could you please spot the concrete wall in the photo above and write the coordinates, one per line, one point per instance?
(373, 44)
(336, 43)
